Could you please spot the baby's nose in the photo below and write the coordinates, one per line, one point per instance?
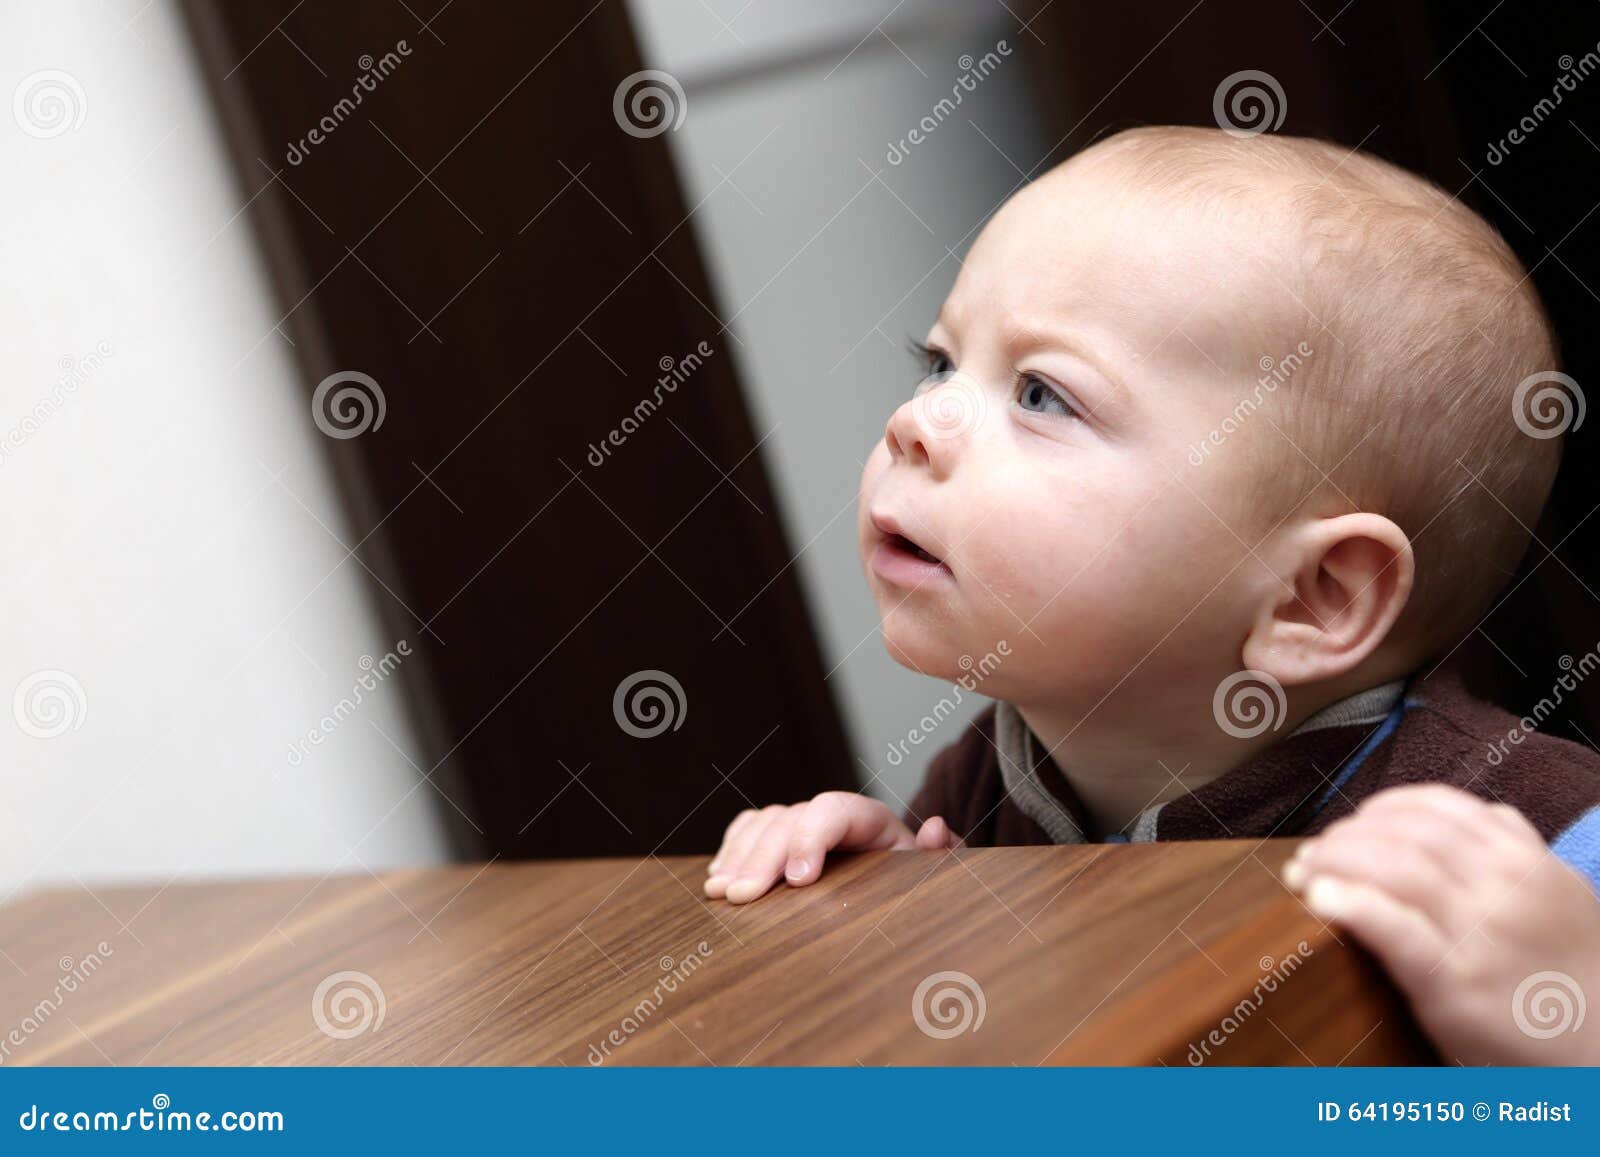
(931, 426)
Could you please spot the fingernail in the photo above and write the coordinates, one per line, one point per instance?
(1294, 873)
(711, 868)
(796, 869)
(715, 881)
(1326, 897)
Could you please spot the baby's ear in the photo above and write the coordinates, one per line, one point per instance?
(1345, 582)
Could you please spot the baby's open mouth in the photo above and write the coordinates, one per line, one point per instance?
(902, 560)
(903, 543)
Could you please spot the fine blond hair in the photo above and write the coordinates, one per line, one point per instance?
(1425, 326)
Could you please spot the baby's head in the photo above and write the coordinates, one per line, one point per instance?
(1199, 403)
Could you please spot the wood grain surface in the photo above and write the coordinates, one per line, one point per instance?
(1070, 955)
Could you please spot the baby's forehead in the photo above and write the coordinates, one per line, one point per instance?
(1085, 245)
(1194, 230)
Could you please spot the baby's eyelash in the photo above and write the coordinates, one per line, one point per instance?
(926, 355)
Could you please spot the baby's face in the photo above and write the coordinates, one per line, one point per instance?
(1089, 341)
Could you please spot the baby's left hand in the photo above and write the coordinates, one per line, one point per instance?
(1495, 941)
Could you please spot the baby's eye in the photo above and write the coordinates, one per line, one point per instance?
(935, 363)
(1036, 394)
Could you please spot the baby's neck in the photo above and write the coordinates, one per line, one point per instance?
(1120, 766)
(1116, 776)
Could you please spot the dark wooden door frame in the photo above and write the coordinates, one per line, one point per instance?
(476, 232)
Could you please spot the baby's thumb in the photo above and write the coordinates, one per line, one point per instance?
(936, 834)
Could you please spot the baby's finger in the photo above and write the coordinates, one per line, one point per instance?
(1365, 854)
(737, 843)
(935, 834)
(1514, 822)
(1442, 838)
(763, 863)
(840, 819)
(1403, 939)
(735, 826)
(1474, 821)
(733, 856)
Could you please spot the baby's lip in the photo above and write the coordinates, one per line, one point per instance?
(892, 528)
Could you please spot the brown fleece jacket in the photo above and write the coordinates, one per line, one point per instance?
(1438, 733)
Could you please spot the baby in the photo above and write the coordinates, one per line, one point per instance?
(1218, 449)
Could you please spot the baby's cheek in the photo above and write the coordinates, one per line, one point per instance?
(1055, 578)
(1180, 532)
(1070, 652)
(1020, 560)
(874, 466)
(879, 456)
(1101, 593)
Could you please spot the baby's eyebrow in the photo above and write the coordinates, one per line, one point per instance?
(1031, 338)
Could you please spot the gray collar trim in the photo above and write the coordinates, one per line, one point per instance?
(1370, 706)
(1020, 755)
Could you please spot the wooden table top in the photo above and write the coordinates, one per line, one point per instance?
(1100, 954)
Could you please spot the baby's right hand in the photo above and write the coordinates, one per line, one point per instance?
(759, 846)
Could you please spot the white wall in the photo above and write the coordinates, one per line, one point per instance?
(161, 522)
(825, 271)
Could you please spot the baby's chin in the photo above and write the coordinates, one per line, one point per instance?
(915, 647)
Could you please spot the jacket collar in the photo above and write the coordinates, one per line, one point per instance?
(1255, 799)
